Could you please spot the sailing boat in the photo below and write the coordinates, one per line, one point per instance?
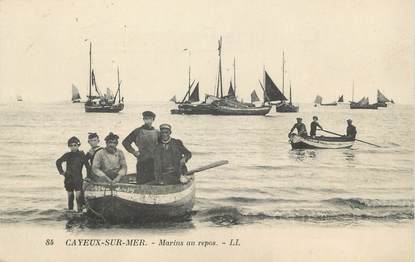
(382, 99)
(318, 100)
(285, 107)
(254, 97)
(363, 104)
(76, 98)
(173, 99)
(19, 98)
(102, 103)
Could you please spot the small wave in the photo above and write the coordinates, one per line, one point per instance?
(258, 200)
(370, 203)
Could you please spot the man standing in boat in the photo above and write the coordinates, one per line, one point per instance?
(351, 130)
(145, 139)
(170, 158)
(110, 163)
(314, 125)
(301, 129)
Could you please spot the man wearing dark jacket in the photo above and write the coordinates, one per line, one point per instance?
(170, 157)
(145, 139)
(351, 130)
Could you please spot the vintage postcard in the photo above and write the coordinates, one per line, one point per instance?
(206, 130)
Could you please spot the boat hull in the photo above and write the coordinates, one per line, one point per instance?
(298, 142)
(248, 111)
(287, 108)
(355, 106)
(104, 108)
(124, 202)
(189, 109)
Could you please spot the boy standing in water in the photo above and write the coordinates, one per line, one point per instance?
(75, 160)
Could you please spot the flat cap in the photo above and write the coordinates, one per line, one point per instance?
(165, 126)
(149, 114)
(74, 140)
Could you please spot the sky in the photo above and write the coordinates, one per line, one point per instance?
(328, 45)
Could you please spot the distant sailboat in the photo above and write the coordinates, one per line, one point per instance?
(76, 98)
(19, 98)
(382, 99)
(173, 99)
(363, 104)
(318, 100)
(102, 103)
(274, 94)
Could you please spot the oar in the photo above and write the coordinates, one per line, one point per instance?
(355, 139)
(206, 167)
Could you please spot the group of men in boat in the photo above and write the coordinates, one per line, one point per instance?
(161, 159)
(315, 125)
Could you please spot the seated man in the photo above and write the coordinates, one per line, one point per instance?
(170, 157)
(351, 130)
(109, 163)
(301, 129)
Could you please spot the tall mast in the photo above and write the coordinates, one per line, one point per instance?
(283, 71)
(290, 93)
(90, 69)
(353, 92)
(220, 86)
(265, 84)
(119, 85)
(234, 77)
(189, 74)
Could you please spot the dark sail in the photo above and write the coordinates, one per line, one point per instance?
(318, 99)
(341, 99)
(272, 91)
(254, 97)
(231, 91)
(75, 93)
(194, 97)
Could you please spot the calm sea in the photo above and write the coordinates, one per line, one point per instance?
(265, 182)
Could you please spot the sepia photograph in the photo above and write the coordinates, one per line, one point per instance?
(207, 130)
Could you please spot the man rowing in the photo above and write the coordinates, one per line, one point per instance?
(145, 139)
(351, 130)
(170, 157)
(301, 129)
(314, 125)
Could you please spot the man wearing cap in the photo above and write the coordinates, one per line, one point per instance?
(93, 141)
(170, 157)
(314, 125)
(110, 163)
(351, 129)
(301, 129)
(145, 139)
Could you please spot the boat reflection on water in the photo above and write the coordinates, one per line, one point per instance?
(303, 154)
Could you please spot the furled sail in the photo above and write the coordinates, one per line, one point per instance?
(254, 97)
(194, 97)
(318, 99)
(382, 98)
(341, 99)
(75, 94)
(272, 91)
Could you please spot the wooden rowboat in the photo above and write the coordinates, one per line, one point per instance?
(320, 142)
(127, 201)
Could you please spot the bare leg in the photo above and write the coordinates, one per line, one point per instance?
(70, 200)
(78, 195)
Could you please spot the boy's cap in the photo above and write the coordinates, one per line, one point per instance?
(315, 117)
(165, 126)
(299, 118)
(111, 136)
(149, 114)
(349, 120)
(74, 140)
(92, 135)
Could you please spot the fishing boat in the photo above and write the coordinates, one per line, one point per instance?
(127, 201)
(19, 98)
(320, 142)
(102, 103)
(218, 104)
(363, 104)
(76, 98)
(382, 100)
